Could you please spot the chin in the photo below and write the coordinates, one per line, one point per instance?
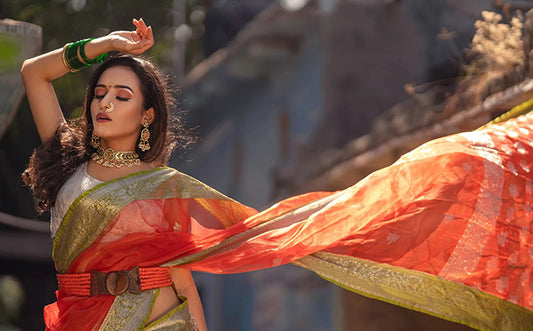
(102, 131)
(97, 132)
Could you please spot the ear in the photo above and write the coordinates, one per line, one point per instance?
(149, 115)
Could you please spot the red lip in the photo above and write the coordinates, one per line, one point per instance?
(102, 117)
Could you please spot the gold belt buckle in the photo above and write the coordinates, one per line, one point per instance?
(115, 282)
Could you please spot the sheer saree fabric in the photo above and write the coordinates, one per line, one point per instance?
(143, 220)
(445, 230)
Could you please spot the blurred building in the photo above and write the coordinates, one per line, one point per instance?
(315, 95)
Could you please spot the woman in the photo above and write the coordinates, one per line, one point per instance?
(446, 230)
(125, 96)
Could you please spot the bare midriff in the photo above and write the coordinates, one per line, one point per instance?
(165, 301)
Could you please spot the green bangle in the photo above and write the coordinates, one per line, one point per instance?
(72, 58)
(84, 57)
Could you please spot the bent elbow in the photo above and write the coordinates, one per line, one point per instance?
(26, 67)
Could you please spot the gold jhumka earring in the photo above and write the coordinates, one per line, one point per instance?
(144, 143)
(95, 141)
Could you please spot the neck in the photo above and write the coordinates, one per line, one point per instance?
(118, 145)
(115, 159)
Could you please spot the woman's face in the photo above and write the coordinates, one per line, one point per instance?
(119, 129)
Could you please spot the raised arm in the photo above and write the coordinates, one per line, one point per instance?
(39, 72)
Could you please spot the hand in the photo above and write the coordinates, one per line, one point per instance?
(133, 42)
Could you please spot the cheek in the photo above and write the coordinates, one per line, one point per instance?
(129, 118)
(93, 108)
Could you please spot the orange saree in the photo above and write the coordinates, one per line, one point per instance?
(445, 230)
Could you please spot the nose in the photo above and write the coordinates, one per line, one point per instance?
(105, 105)
(109, 108)
(104, 102)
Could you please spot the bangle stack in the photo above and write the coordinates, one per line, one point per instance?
(74, 57)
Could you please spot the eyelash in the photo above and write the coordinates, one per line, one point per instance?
(118, 98)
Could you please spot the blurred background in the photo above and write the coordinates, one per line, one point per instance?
(285, 97)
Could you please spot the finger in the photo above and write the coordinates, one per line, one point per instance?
(150, 34)
(141, 30)
(140, 25)
(134, 36)
(141, 33)
(136, 23)
(144, 29)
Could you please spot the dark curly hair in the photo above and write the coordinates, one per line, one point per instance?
(56, 159)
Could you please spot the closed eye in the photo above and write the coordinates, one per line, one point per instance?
(122, 98)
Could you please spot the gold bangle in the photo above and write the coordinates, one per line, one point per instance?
(63, 57)
(80, 57)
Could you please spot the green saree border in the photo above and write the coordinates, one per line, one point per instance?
(178, 318)
(130, 311)
(420, 291)
(93, 210)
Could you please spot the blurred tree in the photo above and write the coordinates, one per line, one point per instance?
(69, 20)
(11, 299)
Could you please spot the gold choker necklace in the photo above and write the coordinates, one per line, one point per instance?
(111, 159)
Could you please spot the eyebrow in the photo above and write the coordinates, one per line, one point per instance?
(116, 86)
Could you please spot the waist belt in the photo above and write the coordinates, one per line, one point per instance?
(114, 282)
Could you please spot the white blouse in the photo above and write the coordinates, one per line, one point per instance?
(79, 182)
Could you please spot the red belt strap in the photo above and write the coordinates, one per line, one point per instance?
(114, 282)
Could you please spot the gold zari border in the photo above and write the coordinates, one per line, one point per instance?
(130, 311)
(93, 210)
(178, 318)
(420, 291)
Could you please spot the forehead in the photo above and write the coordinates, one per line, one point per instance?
(120, 75)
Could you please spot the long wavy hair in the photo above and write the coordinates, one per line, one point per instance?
(56, 159)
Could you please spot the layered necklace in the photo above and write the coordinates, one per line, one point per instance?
(111, 159)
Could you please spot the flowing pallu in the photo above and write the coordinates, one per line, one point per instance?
(445, 230)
